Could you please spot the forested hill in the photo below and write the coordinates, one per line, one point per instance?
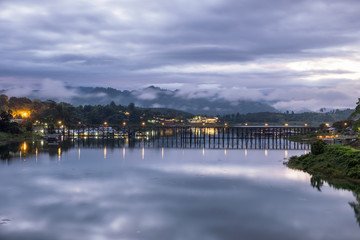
(312, 118)
(52, 112)
(154, 97)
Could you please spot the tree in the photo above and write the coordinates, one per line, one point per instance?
(318, 147)
(131, 107)
(4, 102)
(357, 109)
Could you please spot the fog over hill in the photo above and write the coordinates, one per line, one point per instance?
(199, 102)
(160, 98)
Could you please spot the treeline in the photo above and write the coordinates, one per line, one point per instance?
(7, 126)
(51, 112)
(288, 117)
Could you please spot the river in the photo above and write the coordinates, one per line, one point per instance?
(106, 191)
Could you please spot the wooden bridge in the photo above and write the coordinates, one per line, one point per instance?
(254, 137)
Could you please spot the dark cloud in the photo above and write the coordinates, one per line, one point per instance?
(118, 44)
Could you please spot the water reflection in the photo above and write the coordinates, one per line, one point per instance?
(317, 182)
(59, 154)
(183, 194)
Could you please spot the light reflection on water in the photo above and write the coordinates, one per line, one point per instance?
(164, 193)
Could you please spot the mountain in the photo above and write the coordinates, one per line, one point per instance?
(154, 97)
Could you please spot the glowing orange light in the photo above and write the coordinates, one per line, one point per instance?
(24, 146)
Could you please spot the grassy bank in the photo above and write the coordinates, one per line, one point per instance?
(335, 162)
(309, 138)
(6, 138)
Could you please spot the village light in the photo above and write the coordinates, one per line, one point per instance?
(79, 123)
(225, 124)
(246, 124)
(59, 122)
(105, 123)
(286, 124)
(24, 146)
(124, 124)
(345, 124)
(143, 123)
(305, 124)
(266, 124)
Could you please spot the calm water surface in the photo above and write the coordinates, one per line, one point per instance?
(167, 193)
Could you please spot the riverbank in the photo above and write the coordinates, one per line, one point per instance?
(335, 162)
(307, 138)
(6, 138)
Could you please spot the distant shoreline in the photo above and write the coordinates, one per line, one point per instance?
(7, 138)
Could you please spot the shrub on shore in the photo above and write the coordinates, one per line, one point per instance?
(329, 160)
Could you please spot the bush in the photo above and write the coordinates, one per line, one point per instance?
(318, 147)
(29, 127)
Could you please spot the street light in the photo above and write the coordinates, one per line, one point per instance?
(143, 123)
(124, 124)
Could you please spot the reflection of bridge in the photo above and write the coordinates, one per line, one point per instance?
(202, 137)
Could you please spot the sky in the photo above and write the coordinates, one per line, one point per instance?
(301, 54)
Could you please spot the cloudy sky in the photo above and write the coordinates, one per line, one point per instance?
(294, 54)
